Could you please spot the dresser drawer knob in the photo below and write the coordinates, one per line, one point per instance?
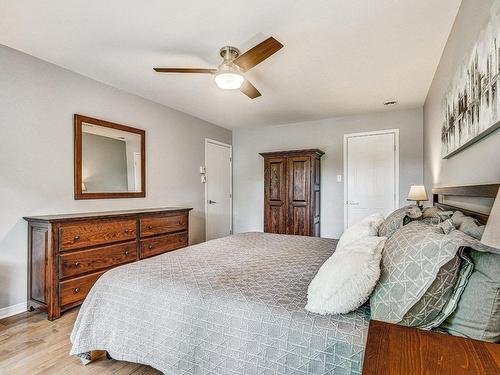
(77, 238)
(77, 264)
(126, 230)
(150, 227)
(150, 247)
(126, 252)
(77, 290)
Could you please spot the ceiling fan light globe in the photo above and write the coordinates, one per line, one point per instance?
(229, 80)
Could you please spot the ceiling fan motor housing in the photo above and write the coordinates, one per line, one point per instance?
(229, 53)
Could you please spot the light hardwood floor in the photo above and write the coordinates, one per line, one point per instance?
(30, 344)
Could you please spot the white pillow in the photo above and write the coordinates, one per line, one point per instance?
(365, 228)
(346, 280)
(375, 220)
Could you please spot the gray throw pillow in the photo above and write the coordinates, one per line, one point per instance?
(477, 315)
(435, 215)
(462, 222)
(420, 270)
(475, 231)
(395, 220)
(468, 225)
(447, 226)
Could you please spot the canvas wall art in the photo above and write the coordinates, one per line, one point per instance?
(471, 105)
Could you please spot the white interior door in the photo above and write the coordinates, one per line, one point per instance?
(371, 174)
(218, 189)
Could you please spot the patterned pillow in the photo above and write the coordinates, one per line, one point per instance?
(475, 231)
(478, 312)
(420, 270)
(395, 220)
(462, 221)
(447, 226)
(435, 214)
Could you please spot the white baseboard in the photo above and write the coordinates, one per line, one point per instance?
(13, 310)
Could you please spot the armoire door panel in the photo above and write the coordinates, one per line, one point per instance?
(299, 178)
(277, 217)
(299, 194)
(299, 223)
(275, 197)
(277, 180)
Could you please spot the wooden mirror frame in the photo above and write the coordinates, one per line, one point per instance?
(79, 194)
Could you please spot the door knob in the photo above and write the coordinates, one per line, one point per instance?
(211, 201)
(352, 203)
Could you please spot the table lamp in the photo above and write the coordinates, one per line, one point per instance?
(418, 194)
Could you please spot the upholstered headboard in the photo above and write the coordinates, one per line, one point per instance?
(475, 191)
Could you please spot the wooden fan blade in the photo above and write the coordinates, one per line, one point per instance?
(258, 53)
(185, 70)
(249, 90)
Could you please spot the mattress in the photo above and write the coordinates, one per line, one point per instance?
(228, 306)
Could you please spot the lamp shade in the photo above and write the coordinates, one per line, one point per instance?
(491, 236)
(417, 193)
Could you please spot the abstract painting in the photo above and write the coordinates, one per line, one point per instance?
(471, 105)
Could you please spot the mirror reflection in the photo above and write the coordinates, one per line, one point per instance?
(111, 160)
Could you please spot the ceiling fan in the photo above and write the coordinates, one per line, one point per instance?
(229, 74)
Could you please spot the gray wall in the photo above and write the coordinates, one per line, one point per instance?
(106, 158)
(479, 163)
(37, 103)
(327, 135)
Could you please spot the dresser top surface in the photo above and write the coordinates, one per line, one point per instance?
(85, 215)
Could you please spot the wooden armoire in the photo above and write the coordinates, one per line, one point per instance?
(292, 192)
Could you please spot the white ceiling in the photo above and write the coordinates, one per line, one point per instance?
(340, 57)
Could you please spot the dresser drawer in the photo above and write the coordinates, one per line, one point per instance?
(84, 261)
(75, 236)
(162, 244)
(154, 225)
(75, 290)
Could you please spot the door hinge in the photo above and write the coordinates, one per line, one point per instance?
(230, 195)
(230, 159)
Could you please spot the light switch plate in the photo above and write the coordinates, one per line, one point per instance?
(339, 178)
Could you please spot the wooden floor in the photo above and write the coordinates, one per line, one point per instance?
(30, 344)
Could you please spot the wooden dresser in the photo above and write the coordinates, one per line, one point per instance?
(292, 181)
(68, 253)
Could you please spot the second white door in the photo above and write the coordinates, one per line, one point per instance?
(218, 189)
(372, 174)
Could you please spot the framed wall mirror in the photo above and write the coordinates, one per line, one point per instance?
(110, 160)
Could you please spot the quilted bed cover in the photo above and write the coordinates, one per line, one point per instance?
(229, 306)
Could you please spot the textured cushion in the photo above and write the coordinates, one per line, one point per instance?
(395, 220)
(447, 226)
(430, 212)
(470, 227)
(475, 231)
(345, 281)
(462, 222)
(419, 270)
(435, 214)
(478, 312)
(365, 228)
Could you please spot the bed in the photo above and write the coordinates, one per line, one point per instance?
(229, 306)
